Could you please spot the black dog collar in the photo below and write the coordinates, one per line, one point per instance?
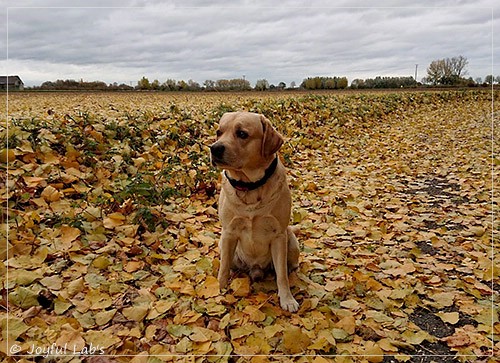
(248, 186)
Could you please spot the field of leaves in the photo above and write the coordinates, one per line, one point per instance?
(110, 202)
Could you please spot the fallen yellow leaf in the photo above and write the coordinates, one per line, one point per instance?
(240, 286)
(51, 194)
(295, 340)
(210, 288)
(450, 318)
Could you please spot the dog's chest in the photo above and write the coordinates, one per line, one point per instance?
(255, 237)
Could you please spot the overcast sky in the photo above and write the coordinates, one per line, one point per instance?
(121, 41)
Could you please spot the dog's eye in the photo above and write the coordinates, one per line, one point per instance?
(219, 133)
(241, 134)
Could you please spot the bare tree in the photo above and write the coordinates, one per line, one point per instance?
(457, 66)
(447, 71)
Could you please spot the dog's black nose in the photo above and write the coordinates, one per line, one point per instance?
(217, 150)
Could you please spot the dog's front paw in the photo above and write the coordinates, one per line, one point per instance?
(289, 304)
(223, 280)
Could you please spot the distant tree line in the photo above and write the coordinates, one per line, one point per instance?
(72, 85)
(236, 84)
(384, 82)
(489, 80)
(325, 83)
(441, 72)
(144, 84)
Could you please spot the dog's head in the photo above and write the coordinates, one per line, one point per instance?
(245, 141)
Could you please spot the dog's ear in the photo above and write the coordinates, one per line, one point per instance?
(272, 140)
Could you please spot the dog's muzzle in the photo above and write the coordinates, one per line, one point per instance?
(217, 152)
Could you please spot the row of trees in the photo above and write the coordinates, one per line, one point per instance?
(489, 80)
(325, 83)
(311, 83)
(314, 83)
(237, 84)
(384, 82)
(441, 72)
(72, 85)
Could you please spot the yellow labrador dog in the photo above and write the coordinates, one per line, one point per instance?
(254, 203)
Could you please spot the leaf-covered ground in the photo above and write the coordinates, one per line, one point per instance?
(110, 203)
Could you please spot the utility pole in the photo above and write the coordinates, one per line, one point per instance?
(416, 67)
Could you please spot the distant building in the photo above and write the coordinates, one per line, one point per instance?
(13, 82)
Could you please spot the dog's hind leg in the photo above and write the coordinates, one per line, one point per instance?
(293, 251)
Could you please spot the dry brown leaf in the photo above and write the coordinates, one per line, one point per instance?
(450, 318)
(210, 288)
(240, 286)
(50, 194)
(70, 338)
(295, 341)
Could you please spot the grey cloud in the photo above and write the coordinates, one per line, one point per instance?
(288, 42)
